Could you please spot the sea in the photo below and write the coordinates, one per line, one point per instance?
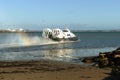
(31, 46)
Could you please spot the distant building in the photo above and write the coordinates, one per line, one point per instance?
(15, 30)
(21, 29)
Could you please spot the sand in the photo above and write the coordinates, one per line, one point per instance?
(50, 70)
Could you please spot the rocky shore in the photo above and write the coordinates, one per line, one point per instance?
(107, 60)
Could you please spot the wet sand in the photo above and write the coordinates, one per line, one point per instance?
(50, 70)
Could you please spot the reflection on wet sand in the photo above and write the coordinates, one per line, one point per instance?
(58, 54)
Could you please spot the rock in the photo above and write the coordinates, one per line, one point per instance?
(109, 59)
(102, 55)
(103, 62)
(96, 65)
(106, 59)
(116, 70)
(118, 48)
(90, 59)
(117, 56)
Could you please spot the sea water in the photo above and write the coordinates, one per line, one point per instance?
(31, 46)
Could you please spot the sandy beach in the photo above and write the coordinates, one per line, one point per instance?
(50, 70)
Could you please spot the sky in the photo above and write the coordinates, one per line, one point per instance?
(74, 14)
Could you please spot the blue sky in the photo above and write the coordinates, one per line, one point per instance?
(74, 14)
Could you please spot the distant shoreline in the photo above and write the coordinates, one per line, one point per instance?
(4, 31)
(96, 30)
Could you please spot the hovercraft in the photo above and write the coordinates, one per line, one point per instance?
(59, 35)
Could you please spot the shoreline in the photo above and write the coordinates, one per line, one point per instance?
(50, 70)
(106, 66)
